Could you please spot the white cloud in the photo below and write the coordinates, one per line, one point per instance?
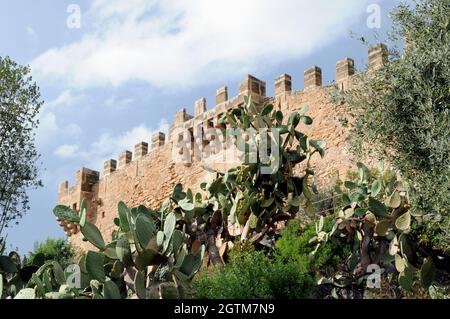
(66, 97)
(178, 42)
(115, 103)
(63, 98)
(109, 145)
(67, 151)
(49, 129)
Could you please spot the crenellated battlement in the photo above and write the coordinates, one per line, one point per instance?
(152, 161)
(249, 86)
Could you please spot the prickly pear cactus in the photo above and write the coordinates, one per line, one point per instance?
(376, 217)
(155, 254)
(150, 255)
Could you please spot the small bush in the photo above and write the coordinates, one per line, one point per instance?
(287, 274)
(244, 277)
(52, 249)
(289, 282)
(295, 246)
(252, 275)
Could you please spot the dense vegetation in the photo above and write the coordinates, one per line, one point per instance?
(287, 272)
(260, 231)
(402, 112)
(156, 253)
(58, 250)
(17, 272)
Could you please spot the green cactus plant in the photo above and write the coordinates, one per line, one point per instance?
(155, 254)
(249, 201)
(146, 246)
(150, 257)
(376, 216)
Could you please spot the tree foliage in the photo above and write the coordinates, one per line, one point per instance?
(251, 274)
(402, 110)
(19, 107)
(58, 250)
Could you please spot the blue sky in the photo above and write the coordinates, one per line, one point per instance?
(122, 75)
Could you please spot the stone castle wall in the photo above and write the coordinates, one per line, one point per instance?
(150, 175)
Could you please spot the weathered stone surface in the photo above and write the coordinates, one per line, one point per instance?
(200, 107)
(158, 140)
(109, 167)
(283, 84)
(313, 78)
(251, 86)
(221, 95)
(378, 56)
(125, 158)
(140, 150)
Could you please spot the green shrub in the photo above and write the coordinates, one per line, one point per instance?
(295, 246)
(252, 275)
(289, 282)
(244, 277)
(287, 274)
(52, 249)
